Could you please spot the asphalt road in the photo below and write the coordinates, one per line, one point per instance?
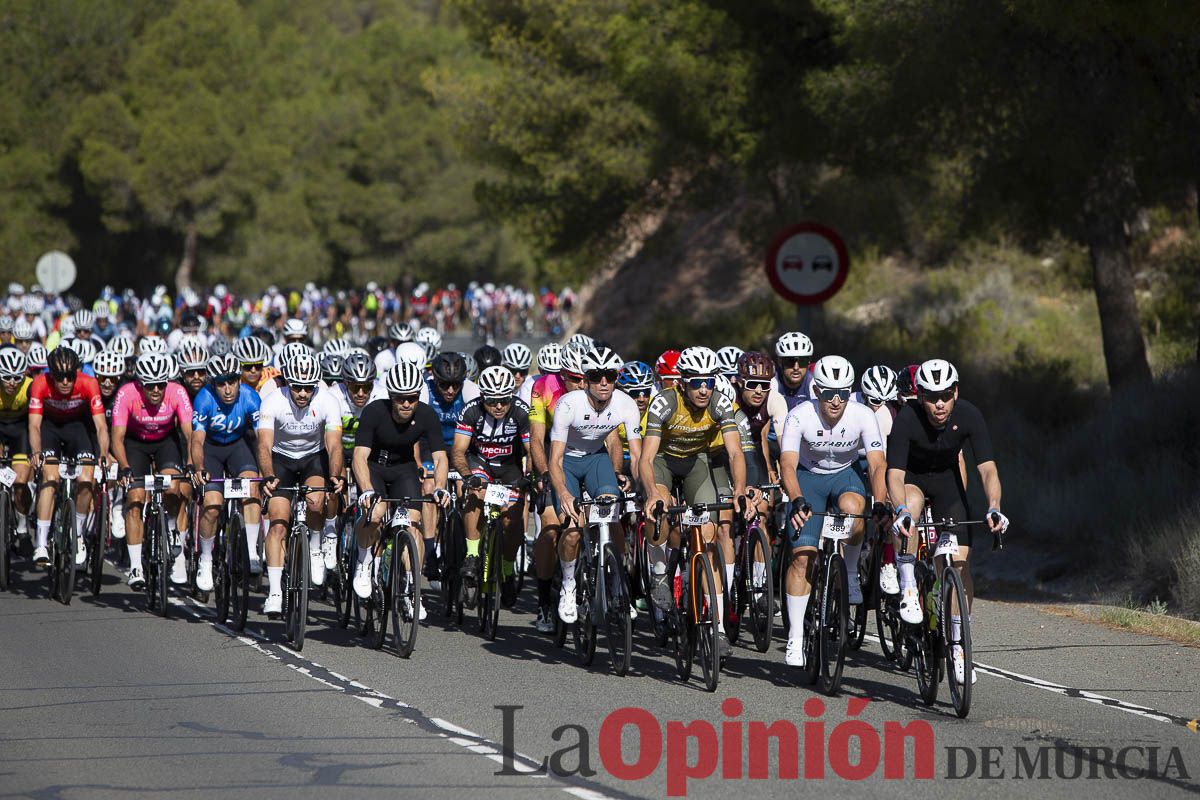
(102, 699)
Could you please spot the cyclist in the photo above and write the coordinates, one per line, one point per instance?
(252, 353)
(390, 435)
(728, 357)
(110, 367)
(880, 393)
(583, 442)
(817, 465)
(793, 350)
(923, 465)
(299, 442)
(60, 402)
(491, 444)
(680, 425)
(223, 418)
(666, 369)
(14, 426)
(517, 358)
(549, 362)
(149, 417)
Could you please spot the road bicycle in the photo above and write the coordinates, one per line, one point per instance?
(396, 578)
(296, 566)
(158, 551)
(231, 555)
(602, 594)
(753, 582)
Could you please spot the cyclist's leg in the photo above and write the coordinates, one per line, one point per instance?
(279, 512)
(804, 543)
(700, 486)
(575, 474)
(724, 491)
(852, 498)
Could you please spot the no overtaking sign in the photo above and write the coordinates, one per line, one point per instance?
(807, 263)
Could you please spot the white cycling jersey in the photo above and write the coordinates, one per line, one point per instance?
(824, 449)
(299, 433)
(525, 393)
(583, 428)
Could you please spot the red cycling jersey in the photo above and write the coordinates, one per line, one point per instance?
(83, 401)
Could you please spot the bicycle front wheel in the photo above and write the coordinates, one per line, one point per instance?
(99, 542)
(704, 598)
(585, 630)
(834, 618)
(6, 519)
(65, 552)
(760, 596)
(239, 571)
(297, 587)
(954, 593)
(618, 625)
(406, 593)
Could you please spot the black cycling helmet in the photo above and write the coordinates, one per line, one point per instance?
(376, 345)
(63, 361)
(488, 356)
(449, 367)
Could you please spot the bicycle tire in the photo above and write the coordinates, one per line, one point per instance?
(6, 518)
(99, 540)
(347, 600)
(761, 596)
(221, 581)
(299, 586)
(953, 591)
(149, 570)
(406, 622)
(707, 629)
(682, 636)
(164, 556)
(584, 629)
(496, 568)
(64, 552)
(239, 571)
(377, 614)
(812, 623)
(834, 618)
(618, 624)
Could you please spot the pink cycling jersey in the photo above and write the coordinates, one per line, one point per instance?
(151, 424)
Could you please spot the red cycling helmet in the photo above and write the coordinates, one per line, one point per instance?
(667, 365)
(906, 381)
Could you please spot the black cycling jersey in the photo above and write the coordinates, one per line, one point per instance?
(916, 446)
(757, 418)
(392, 442)
(497, 442)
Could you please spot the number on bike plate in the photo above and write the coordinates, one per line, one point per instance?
(691, 518)
(947, 545)
(112, 471)
(836, 528)
(496, 495)
(160, 482)
(631, 507)
(400, 518)
(8, 477)
(237, 488)
(605, 514)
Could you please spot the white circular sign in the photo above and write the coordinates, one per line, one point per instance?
(807, 263)
(55, 271)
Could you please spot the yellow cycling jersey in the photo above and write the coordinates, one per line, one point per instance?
(268, 376)
(684, 432)
(15, 407)
(625, 439)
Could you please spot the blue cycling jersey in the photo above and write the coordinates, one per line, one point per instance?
(448, 414)
(225, 424)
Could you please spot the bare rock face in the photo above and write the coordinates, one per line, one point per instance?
(690, 264)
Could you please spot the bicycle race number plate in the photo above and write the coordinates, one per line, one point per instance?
(631, 507)
(947, 545)
(112, 471)
(400, 518)
(835, 528)
(237, 488)
(691, 518)
(496, 495)
(8, 477)
(603, 514)
(65, 471)
(161, 482)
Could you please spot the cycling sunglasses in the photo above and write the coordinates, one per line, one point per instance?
(497, 402)
(793, 362)
(757, 386)
(251, 367)
(638, 392)
(150, 387)
(829, 394)
(945, 396)
(358, 388)
(449, 385)
(200, 371)
(406, 399)
(59, 377)
(701, 383)
(597, 375)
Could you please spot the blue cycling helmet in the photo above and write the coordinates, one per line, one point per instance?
(636, 375)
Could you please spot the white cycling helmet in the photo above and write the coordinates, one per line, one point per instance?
(37, 356)
(833, 372)
(294, 327)
(152, 344)
(728, 357)
(600, 358)
(412, 352)
(22, 330)
(724, 387)
(154, 368)
(121, 345)
(339, 347)
(879, 384)
(86, 349)
(223, 366)
(84, 320)
(66, 328)
(400, 332)
(293, 349)
(6, 324)
(497, 382)
(517, 357)
(358, 367)
(571, 361)
(430, 338)
(698, 362)
(302, 370)
(108, 364)
(580, 342)
(549, 358)
(192, 354)
(13, 363)
(936, 375)
(404, 378)
(793, 344)
(251, 350)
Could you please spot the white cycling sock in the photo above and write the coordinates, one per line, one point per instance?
(955, 627)
(252, 532)
(728, 576)
(206, 548)
(314, 540)
(908, 575)
(760, 573)
(330, 529)
(135, 555)
(274, 578)
(720, 600)
(568, 568)
(851, 553)
(80, 524)
(796, 607)
(43, 533)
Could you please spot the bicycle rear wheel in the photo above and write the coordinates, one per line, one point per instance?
(834, 602)
(618, 625)
(760, 598)
(406, 593)
(347, 600)
(954, 592)
(704, 597)
(297, 587)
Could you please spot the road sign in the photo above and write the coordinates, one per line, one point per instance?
(807, 263)
(55, 271)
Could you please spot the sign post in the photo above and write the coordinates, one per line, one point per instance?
(55, 271)
(807, 263)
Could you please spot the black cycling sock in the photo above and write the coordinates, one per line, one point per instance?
(544, 586)
(672, 561)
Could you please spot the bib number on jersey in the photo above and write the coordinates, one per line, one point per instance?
(496, 495)
(603, 514)
(692, 519)
(237, 488)
(835, 528)
(947, 545)
(8, 476)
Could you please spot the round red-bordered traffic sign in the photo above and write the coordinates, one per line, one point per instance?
(807, 263)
